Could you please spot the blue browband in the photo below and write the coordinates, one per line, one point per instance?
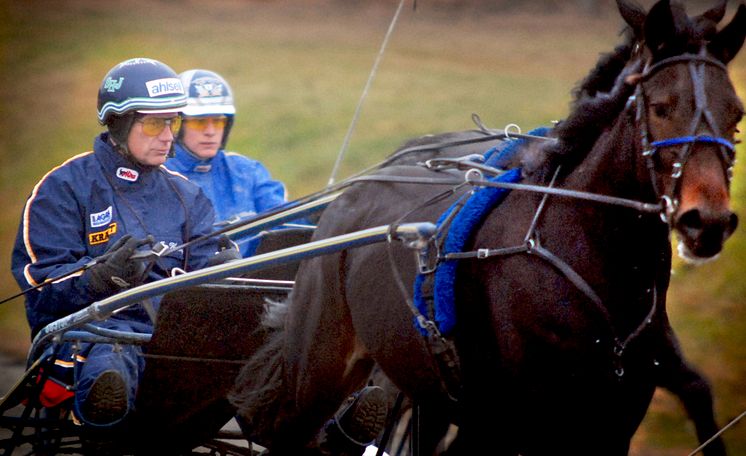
(693, 139)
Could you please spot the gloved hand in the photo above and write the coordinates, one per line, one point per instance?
(118, 271)
(227, 251)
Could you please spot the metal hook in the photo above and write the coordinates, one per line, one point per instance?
(507, 128)
(473, 175)
(668, 209)
(677, 169)
(632, 98)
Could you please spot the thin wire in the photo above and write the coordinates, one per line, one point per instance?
(717, 434)
(373, 71)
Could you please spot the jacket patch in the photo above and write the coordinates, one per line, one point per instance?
(127, 174)
(99, 237)
(101, 218)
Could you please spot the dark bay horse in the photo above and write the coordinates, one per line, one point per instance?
(558, 345)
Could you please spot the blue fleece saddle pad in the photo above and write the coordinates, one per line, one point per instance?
(464, 223)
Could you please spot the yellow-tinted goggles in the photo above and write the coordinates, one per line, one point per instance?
(201, 123)
(153, 126)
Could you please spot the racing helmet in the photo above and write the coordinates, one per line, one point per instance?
(138, 85)
(208, 94)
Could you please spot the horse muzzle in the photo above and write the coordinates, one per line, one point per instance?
(702, 233)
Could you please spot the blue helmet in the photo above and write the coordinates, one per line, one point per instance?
(139, 85)
(208, 94)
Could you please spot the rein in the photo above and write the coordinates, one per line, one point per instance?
(475, 179)
(290, 211)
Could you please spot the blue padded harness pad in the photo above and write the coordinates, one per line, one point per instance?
(468, 219)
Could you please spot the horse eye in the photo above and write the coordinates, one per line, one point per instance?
(661, 110)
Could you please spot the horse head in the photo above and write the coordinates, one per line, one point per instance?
(686, 113)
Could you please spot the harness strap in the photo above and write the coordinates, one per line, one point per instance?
(484, 253)
(542, 253)
(571, 275)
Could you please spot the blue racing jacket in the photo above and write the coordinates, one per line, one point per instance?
(237, 186)
(80, 208)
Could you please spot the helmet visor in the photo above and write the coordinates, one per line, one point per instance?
(161, 111)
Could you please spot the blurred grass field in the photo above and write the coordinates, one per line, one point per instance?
(297, 69)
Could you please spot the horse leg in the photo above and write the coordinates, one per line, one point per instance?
(695, 395)
(324, 361)
(693, 391)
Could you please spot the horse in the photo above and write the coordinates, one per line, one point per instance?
(559, 333)
(676, 375)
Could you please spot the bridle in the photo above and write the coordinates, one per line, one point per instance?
(696, 64)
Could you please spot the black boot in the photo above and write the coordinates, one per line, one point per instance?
(107, 399)
(106, 404)
(357, 423)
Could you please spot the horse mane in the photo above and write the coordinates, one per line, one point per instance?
(602, 76)
(601, 96)
(599, 100)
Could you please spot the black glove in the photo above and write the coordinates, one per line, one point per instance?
(118, 271)
(227, 251)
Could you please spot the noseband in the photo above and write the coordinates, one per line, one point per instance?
(696, 64)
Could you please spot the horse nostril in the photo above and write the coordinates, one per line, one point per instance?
(690, 220)
(704, 232)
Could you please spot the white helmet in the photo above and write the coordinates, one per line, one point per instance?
(208, 94)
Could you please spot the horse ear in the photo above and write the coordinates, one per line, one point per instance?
(660, 26)
(729, 40)
(717, 13)
(633, 15)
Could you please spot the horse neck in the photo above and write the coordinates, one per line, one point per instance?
(633, 248)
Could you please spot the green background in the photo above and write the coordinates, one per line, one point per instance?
(298, 69)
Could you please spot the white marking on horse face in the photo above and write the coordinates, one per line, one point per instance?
(687, 255)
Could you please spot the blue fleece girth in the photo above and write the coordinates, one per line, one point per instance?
(464, 223)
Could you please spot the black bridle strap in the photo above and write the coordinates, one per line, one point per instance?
(696, 66)
(683, 58)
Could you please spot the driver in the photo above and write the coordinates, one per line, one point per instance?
(115, 200)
